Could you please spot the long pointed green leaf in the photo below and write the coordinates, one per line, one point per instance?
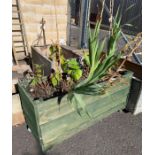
(100, 50)
(130, 7)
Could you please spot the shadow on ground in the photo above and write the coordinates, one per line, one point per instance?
(119, 134)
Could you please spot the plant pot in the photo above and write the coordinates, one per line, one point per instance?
(40, 56)
(51, 124)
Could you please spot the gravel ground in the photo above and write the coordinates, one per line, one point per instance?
(119, 134)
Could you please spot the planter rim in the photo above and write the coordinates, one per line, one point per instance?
(39, 101)
(45, 120)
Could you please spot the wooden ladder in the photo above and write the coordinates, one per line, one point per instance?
(20, 49)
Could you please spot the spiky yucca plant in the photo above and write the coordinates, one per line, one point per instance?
(98, 66)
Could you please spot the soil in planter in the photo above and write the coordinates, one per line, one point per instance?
(44, 90)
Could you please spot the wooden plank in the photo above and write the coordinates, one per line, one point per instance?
(29, 112)
(16, 11)
(17, 23)
(63, 125)
(51, 111)
(82, 127)
(135, 68)
(14, 53)
(18, 41)
(72, 121)
(20, 46)
(17, 112)
(14, 5)
(16, 35)
(15, 18)
(16, 30)
(68, 122)
(38, 58)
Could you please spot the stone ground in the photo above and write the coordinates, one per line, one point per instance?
(118, 134)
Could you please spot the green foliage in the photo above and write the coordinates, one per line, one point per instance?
(38, 74)
(56, 55)
(72, 68)
(62, 59)
(54, 49)
(116, 33)
(77, 103)
(56, 78)
(71, 64)
(86, 59)
(76, 74)
(98, 66)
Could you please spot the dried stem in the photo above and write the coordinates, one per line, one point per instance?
(128, 45)
(57, 44)
(123, 62)
(56, 22)
(111, 16)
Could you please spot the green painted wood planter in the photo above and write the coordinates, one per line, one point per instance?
(51, 125)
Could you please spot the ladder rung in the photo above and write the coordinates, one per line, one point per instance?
(16, 35)
(16, 30)
(20, 51)
(14, 5)
(20, 46)
(19, 41)
(16, 11)
(15, 18)
(16, 23)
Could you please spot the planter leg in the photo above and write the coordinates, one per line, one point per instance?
(125, 111)
(120, 110)
(28, 128)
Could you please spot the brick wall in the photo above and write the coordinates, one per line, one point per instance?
(34, 10)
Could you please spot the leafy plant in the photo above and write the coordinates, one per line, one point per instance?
(56, 54)
(56, 78)
(115, 34)
(72, 68)
(55, 49)
(98, 66)
(38, 74)
(86, 59)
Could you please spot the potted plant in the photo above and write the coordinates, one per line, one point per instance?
(77, 93)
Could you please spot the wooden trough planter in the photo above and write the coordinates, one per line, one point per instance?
(51, 125)
(40, 56)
